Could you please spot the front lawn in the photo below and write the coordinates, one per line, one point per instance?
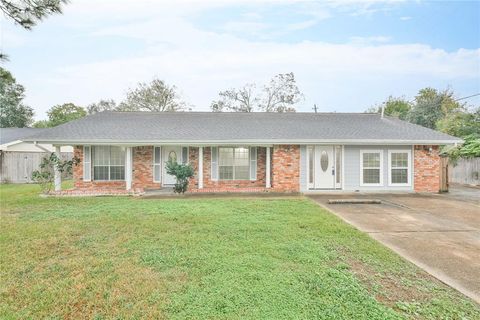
(223, 258)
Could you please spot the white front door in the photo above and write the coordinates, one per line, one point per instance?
(170, 152)
(324, 167)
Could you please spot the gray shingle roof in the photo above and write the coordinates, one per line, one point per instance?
(13, 134)
(203, 127)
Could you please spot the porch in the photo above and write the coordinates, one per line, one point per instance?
(115, 169)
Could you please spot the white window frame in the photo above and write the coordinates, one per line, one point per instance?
(155, 163)
(233, 178)
(409, 167)
(362, 167)
(92, 159)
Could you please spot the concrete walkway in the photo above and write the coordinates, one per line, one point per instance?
(440, 232)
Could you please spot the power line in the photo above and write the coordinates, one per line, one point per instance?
(473, 95)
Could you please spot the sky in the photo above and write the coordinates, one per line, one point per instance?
(346, 55)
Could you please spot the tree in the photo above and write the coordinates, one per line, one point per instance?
(154, 96)
(27, 13)
(63, 113)
(395, 107)
(461, 123)
(41, 124)
(280, 95)
(237, 100)
(13, 113)
(431, 106)
(102, 105)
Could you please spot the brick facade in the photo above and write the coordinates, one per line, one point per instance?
(426, 162)
(286, 168)
(285, 172)
(142, 175)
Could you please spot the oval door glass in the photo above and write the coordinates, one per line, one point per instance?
(172, 156)
(324, 161)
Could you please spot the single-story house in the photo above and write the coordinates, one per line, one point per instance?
(126, 152)
(18, 159)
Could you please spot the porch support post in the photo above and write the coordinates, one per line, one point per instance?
(57, 173)
(267, 169)
(200, 167)
(128, 168)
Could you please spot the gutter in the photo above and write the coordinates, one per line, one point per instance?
(251, 142)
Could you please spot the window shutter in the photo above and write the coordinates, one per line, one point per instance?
(185, 155)
(157, 164)
(87, 163)
(214, 164)
(253, 163)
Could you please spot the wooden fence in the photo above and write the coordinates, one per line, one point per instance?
(467, 171)
(17, 167)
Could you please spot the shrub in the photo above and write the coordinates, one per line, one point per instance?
(469, 149)
(45, 175)
(182, 173)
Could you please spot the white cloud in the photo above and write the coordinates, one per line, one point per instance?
(342, 77)
(406, 18)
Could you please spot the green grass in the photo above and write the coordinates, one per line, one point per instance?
(127, 258)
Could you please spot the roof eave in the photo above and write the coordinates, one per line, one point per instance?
(246, 142)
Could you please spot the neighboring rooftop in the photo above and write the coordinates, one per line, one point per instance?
(257, 127)
(13, 134)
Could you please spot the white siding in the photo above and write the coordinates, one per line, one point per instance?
(352, 168)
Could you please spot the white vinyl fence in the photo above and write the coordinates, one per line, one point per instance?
(17, 167)
(467, 171)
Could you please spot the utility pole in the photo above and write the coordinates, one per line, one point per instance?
(315, 107)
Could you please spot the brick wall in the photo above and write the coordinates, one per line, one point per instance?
(286, 168)
(426, 169)
(143, 169)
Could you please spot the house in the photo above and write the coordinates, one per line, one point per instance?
(126, 152)
(18, 159)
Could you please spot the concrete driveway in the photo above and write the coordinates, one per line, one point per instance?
(440, 232)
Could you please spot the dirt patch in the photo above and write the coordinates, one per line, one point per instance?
(389, 289)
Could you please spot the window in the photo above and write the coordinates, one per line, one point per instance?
(157, 164)
(311, 168)
(399, 167)
(233, 164)
(338, 166)
(108, 163)
(371, 162)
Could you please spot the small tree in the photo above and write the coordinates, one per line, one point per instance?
(45, 176)
(182, 173)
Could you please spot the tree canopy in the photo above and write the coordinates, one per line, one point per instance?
(13, 112)
(279, 95)
(102, 105)
(154, 96)
(27, 13)
(395, 107)
(63, 113)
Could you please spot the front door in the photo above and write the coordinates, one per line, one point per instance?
(324, 167)
(170, 152)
